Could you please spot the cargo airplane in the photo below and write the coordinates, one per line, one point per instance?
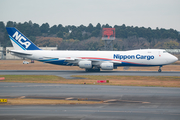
(88, 60)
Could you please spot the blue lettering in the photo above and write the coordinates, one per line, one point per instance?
(116, 56)
(138, 56)
(123, 57)
(152, 57)
(148, 57)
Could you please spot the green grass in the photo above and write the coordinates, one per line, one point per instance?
(32, 78)
(99, 77)
(156, 81)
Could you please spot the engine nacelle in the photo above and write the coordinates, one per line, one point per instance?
(107, 66)
(85, 64)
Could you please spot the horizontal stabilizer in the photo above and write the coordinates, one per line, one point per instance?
(20, 53)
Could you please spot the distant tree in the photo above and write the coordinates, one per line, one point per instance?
(106, 26)
(71, 27)
(36, 30)
(120, 31)
(98, 26)
(171, 44)
(44, 28)
(53, 29)
(90, 28)
(82, 28)
(30, 23)
(60, 34)
(2, 31)
(95, 33)
(2, 27)
(178, 38)
(10, 24)
(62, 31)
(32, 38)
(60, 27)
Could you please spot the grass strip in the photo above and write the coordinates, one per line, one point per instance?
(151, 81)
(32, 78)
(156, 81)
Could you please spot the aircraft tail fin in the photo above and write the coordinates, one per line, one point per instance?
(20, 41)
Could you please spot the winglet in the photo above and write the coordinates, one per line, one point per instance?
(20, 41)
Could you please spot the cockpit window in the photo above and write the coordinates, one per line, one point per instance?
(164, 51)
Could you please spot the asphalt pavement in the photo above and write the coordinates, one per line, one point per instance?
(68, 74)
(122, 102)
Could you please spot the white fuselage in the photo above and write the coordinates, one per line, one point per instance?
(144, 57)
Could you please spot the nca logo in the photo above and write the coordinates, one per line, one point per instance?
(21, 39)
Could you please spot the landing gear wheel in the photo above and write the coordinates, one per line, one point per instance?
(96, 70)
(159, 69)
(92, 70)
(87, 70)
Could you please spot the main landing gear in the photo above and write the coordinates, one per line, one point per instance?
(159, 69)
(93, 70)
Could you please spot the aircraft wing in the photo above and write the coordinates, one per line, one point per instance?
(71, 60)
(95, 61)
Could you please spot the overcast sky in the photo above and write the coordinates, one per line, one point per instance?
(146, 13)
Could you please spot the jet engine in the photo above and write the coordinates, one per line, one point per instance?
(107, 66)
(85, 64)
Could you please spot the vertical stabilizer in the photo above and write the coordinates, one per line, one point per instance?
(20, 41)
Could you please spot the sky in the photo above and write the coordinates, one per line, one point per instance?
(141, 13)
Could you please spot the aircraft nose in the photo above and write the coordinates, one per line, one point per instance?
(171, 59)
(174, 59)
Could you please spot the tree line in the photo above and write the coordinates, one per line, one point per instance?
(80, 33)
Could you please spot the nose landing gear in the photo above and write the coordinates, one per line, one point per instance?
(159, 69)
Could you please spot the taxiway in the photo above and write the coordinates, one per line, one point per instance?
(68, 74)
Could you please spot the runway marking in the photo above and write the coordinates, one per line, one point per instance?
(129, 101)
(111, 100)
(22, 97)
(69, 98)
